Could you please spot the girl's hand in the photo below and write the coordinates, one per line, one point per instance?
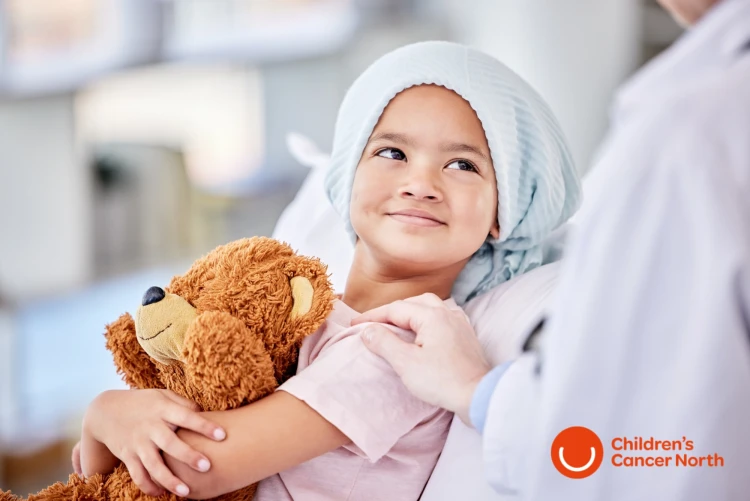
(75, 457)
(135, 425)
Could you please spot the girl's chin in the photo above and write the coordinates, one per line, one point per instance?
(423, 252)
(427, 255)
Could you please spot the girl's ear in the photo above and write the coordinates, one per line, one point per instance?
(495, 230)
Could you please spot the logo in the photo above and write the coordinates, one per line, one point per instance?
(577, 452)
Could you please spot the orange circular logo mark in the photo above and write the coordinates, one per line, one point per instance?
(577, 452)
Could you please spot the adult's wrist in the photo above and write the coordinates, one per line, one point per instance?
(463, 406)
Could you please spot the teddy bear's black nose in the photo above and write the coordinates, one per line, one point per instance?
(153, 295)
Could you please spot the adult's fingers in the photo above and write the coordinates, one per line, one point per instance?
(160, 474)
(386, 344)
(168, 441)
(427, 299)
(407, 315)
(183, 417)
(140, 476)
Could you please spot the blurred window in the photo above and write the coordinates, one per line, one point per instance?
(256, 29)
(38, 28)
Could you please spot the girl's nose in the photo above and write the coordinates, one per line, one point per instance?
(421, 184)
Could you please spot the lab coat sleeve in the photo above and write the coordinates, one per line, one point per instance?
(648, 335)
(509, 425)
(480, 401)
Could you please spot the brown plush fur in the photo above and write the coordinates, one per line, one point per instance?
(241, 346)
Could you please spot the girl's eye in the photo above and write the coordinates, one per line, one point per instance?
(462, 165)
(391, 153)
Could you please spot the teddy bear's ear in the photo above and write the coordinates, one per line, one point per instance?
(302, 296)
(135, 366)
(312, 296)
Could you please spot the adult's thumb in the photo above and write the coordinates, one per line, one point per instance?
(386, 344)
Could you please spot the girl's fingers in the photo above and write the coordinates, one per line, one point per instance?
(190, 420)
(185, 402)
(141, 477)
(158, 484)
(76, 459)
(168, 441)
(161, 475)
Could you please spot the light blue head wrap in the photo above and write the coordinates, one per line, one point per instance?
(537, 185)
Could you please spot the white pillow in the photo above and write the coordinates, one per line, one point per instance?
(309, 223)
(502, 318)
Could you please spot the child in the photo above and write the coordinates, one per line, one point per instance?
(448, 171)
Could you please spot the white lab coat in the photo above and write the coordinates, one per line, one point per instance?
(649, 335)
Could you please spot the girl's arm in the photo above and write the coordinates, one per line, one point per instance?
(263, 438)
(94, 456)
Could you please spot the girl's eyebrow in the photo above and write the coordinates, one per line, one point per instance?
(463, 147)
(393, 137)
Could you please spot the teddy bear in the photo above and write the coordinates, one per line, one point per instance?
(224, 334)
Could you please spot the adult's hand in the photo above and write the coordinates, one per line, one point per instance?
(444, 364)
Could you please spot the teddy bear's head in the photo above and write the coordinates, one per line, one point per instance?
(227, 331)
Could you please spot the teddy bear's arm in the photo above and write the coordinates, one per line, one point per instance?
(131, 361)
(226, 362)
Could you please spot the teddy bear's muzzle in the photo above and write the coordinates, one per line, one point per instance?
(160, 325)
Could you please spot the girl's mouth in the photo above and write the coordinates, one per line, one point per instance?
(416, 217)
(416, 220)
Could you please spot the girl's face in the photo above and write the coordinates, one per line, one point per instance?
(424, 195)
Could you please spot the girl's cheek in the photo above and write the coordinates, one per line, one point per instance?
(479, 203)
(482, 207)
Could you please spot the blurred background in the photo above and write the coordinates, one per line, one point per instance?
(136, 135)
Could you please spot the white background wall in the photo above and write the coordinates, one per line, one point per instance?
(44, 207)
(575, 53)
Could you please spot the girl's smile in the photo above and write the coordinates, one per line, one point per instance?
(417, 217)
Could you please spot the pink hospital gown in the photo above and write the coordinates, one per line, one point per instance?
(396, 438)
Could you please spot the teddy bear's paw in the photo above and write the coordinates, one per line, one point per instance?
(226, 362)
(77, 488)
(120, 487)
(244, 494)
(132, 363)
